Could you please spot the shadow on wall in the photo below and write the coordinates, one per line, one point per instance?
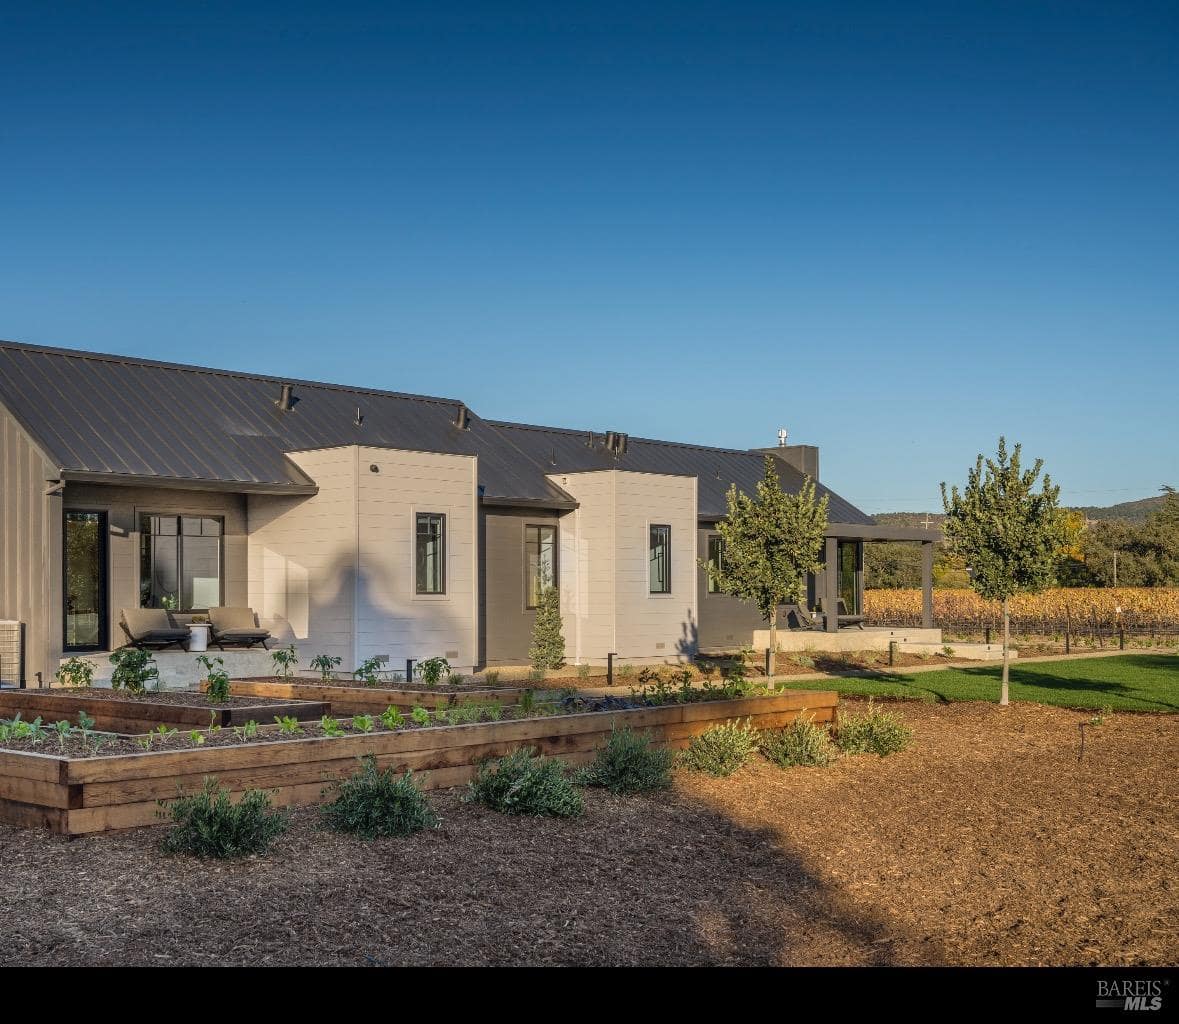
(688, 644)
(349, 616)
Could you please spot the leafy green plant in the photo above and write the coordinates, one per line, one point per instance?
(363, 723)
(369, 671)
(522, 783)
(247, 731)
(420, 715)
(629, 763)
(583, 670)
(527, 702)
(285, 659)
(876, 731)
(216, 677)
(470, 711)
(721, 750)
(801, 743)
(432, 670)
(288, 725)
(331, 726)
(196, 737)
(133, 670)
(392, 718)
(208, 824)
(325, 665)
(376, 804)
(947, 650)
(63, 730)
(144, 742)
(75, 672)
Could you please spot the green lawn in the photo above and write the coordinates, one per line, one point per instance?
(1131, 682)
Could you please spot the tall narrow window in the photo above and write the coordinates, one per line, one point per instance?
(716, 556)
(660, 560)
(431, 553)
(180, 562)
(540, 560)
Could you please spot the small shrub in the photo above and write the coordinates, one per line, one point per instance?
(285, 659)
(626, 671)
(548, 643)
(432, 670)
(803, 660)
(420, 716)
(456, 679)
(800, 743)
(491, 678)
(527, 703)
(216, 677)
(583, 670)
(325, 665)
(876, 731)
(376, 804)
(75, 672)
(133, 670)
(948, 651)
(208, 824)
(522, 783)
(721, 750)
(629, 763)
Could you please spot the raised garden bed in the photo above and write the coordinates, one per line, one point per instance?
(80, 795)
(118, 711)
(358, 699)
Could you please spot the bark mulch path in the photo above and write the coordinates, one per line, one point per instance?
(986, 843)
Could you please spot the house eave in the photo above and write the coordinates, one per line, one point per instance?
(190, 484)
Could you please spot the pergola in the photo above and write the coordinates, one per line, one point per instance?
(846, 532)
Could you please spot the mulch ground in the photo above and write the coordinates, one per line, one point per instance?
(986, 843)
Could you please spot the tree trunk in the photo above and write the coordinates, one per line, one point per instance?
(1006, 652)
(773, 633)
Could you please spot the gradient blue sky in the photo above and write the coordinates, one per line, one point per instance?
(896, 229)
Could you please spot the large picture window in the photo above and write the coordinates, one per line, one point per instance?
(716, 557)
(660, 560)
(540, 560)
(180, 562)
(430, 554)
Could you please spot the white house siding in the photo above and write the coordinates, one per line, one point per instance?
(391, 617)
(334, 571)
(607, 605)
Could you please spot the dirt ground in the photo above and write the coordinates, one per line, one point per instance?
(986, 843)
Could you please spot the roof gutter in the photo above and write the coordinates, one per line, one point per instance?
(190, 484)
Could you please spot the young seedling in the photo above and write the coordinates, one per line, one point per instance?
(368, 672)
(285, 659)
(392, 718)
(196, 737)
(216, 677)
(288, 725)
(247, 731)
(325, 664)
(432, 670)
(363, 723)
(420, 716)
(331, 726)
(63, 730)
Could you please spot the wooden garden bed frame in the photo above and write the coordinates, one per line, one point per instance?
(78, 796)
(135, 717)
(370, 700)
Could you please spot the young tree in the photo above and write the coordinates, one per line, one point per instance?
(548, 642)
(1010, 534)
(768, 545)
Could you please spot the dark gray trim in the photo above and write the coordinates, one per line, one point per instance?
(527, 503)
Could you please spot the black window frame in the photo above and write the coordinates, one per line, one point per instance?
(711, 586)
(666, 547)
(142, 515)
(418, 537)
(104, 584)
(529, 604)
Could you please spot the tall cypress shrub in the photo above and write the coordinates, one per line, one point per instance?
(548, 643)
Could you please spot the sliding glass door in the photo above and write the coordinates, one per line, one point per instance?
(849, 591)
(84, 581)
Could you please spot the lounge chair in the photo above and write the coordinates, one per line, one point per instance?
(152, 628)
(843, 618)
(236, 627)
(797, 617)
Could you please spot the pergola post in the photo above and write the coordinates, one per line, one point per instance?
(831, 586)
(927, 584)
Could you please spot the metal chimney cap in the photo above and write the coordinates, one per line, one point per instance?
(782, 435)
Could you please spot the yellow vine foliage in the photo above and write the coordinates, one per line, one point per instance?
(1158, 605)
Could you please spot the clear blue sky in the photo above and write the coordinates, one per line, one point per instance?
(896, 229)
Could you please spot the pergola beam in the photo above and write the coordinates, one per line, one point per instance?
(927, 584)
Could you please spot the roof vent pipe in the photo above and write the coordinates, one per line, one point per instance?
(781, 437)
(286, 399)
(462, 418)
(359, 417)
(615, 442)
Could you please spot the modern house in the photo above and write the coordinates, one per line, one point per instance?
(358, 522)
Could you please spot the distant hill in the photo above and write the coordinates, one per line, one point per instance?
(1127, 511)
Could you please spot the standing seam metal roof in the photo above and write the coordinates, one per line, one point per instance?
(127, 418)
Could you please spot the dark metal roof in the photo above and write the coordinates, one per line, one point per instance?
(571, 451)
(118, 418)
(103, 417)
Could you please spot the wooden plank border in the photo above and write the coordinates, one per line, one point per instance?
(362, 700)
(78, 796)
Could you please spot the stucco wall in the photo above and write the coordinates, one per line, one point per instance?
(334, 571)
(607, 605)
